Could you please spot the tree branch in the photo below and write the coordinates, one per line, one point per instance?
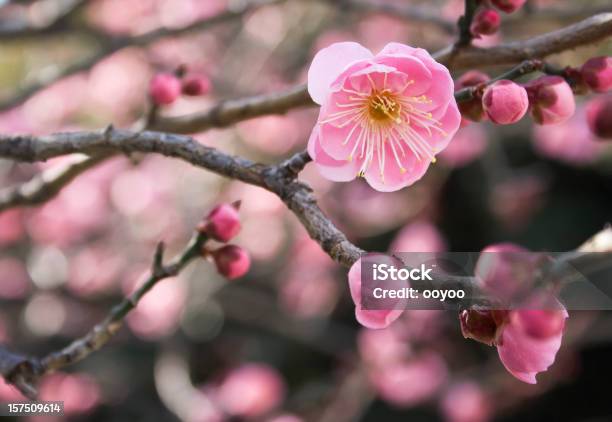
(588, 31)
(57, 22)
(24, 371)
(46, 185)
(113, 45)
(279, 179)
(229, 112)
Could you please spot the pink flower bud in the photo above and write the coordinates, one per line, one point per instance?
(599, 116)
(164, 88)
(505, 102)
(597, 73)
(471, 109)
(232, 261)
(195, 85)
(486, 22)
(222, 223)
(508, 6)
(551, 100)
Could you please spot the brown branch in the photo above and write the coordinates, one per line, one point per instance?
(112, 45)
(46, 185)
(59, 21)
(588, 31)
(23, 372)
(279, 179)
(227, 113)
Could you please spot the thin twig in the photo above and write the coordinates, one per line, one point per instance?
(23, 371)
(112, 45)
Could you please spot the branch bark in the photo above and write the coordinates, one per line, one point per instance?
(23, 371)
(279, 179)
(588, 31)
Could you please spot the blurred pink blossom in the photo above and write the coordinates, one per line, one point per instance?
(158, 313)
(571, 141)
(79, 392)
(465, 402)
(412, 382)
(15, 281)
(419, 236)
(469, 144)
(85, 277)
(251, 390)
(11, 226)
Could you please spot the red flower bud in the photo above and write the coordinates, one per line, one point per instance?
(471, 109)
(597, 73)
(481, 325)
(164, 88)
(486, 22)
(505, 102)
(222, 223)
(196, 85)
(599, 116)
(551, 100)
(232, 261)
(508, 6)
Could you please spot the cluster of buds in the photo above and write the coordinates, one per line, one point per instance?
(223, 224)
(487, 20)
(549, 99)
(166, 88)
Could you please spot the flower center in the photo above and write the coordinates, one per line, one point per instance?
(384, 107)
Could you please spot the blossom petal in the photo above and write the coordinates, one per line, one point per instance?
(329, 63)
(394, 178)
(334, 170)
(523, 355)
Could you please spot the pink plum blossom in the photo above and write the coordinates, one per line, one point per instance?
(599, 116)
(469, 144)
(411, 382)
(11, 226)
(251, 390)
(571, 141)
(383, 117)
(505, 102)
(232, 261)
(528, 338)
(419, 236)
(597, 73)
(466, 402)
(551, 100)
(79, 392)
(375, 319)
